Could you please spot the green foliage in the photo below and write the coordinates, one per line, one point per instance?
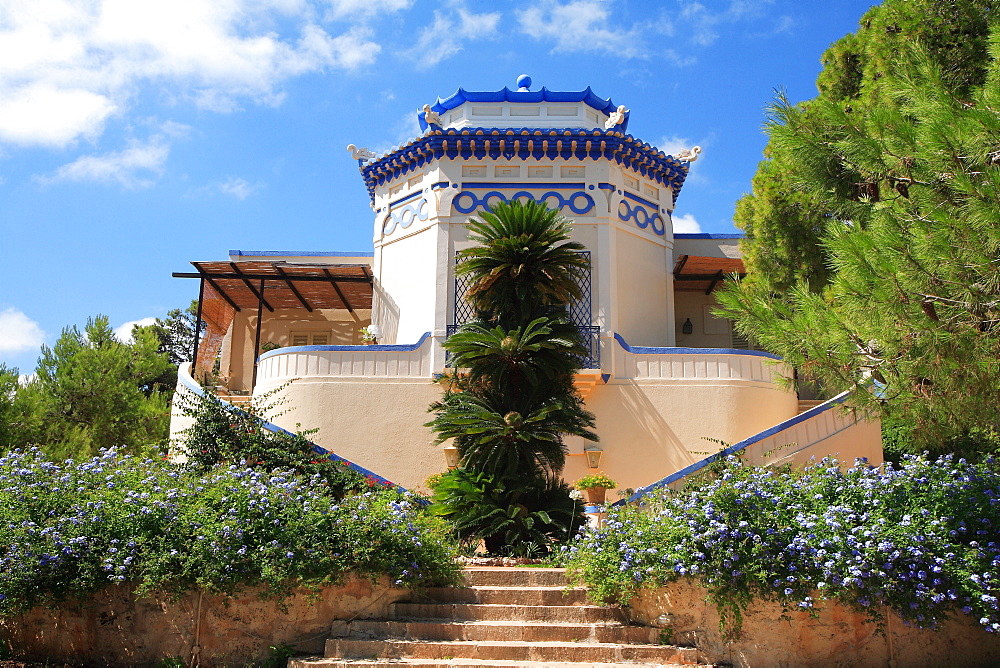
(513, 519)
(511, 399)
(223, 434)
(92, 391)
(280, 654)
(922, 539)
(71, 529)
(872, 233)
(176, 333)
(12, 411)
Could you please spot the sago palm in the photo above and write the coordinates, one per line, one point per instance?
(523, 261)
(541, 352)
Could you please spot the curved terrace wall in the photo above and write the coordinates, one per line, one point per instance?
(369, 403)
(660, 404)
(837, 636)
(116, 628)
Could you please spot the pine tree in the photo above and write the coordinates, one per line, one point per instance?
(786, 215)
(93, 391)
(909, 173)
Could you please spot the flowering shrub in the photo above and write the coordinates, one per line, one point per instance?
(921, 539)
(222, 434)
(593, 480)
(69, 529)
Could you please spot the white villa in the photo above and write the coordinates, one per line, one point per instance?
(663, 374)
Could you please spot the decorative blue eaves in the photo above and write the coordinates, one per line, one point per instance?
(525, 144)
(505, 94)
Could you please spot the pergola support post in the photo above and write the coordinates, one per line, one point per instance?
(197, 328)
(256, 336)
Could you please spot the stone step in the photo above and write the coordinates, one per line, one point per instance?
(604, 632)
(496, 576)
(574, 652)
(503, 595)
(568, 614)
(808, 404)
(321, 662)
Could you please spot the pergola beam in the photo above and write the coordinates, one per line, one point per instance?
(343, 298)
(215, 286)
(295, 292)
(715, 281)
(680, 265)
(271, 277)
(258, 295)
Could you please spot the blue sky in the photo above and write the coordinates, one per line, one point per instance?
(137, 136)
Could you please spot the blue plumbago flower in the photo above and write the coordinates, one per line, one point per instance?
(152, 523)
(921, 537)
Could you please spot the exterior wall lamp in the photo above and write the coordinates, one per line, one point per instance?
(451, 456)
(687, 327)
(593, 456)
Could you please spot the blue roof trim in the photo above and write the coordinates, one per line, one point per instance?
(302, 253)
(406, 198)
(705, 235)
(576, 144)
(640, 200)
(408, 348)
(189, 383)
(524, 186)
(647, 350)
(732, 449)
(461, 96)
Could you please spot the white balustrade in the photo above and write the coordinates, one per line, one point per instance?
(693, 364)
(284, 364)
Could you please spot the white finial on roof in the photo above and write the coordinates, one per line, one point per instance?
(616, 117)
(689, 156)
(431, 117)
(523, 83)
(360, 154)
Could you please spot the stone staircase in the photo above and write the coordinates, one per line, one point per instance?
(808, 404)
(503, 617)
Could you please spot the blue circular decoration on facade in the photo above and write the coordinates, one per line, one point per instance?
(641, 217)
(524, 81)
(404, 216)
(578, 202)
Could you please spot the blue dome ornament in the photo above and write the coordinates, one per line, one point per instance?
(523, 83)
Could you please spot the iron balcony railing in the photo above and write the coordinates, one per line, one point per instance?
(580, 312)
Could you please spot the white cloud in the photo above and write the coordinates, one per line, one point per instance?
(238, 188)
(71, 65)
(595, 26)
(124, 330)
(672, 145)
(18, 332)
(685, 224)
(365, 8)
(582, 25)
(447, 34)
(702, 24)
(133, 167)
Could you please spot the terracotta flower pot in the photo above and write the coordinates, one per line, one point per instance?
(595, 495)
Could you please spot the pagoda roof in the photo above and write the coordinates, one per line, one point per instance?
(526, 144)
(523, 96)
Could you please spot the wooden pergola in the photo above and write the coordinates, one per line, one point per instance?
(698, 273)
(227, 288)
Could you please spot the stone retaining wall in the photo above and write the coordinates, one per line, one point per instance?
(837, 637)
(115, 628)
